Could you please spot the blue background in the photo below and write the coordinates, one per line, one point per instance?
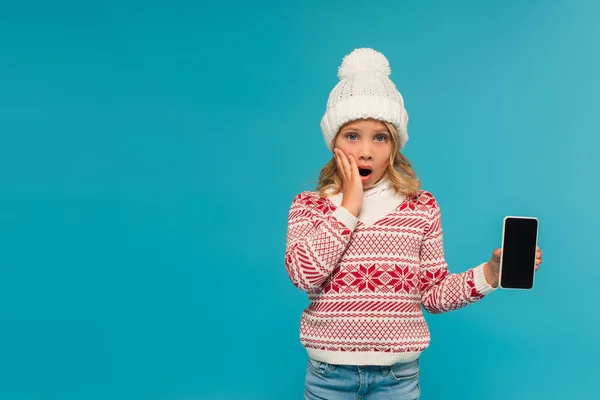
(149, 152)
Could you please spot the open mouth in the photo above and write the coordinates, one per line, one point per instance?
(364, 171)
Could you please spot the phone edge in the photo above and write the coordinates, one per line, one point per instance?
(537, 229)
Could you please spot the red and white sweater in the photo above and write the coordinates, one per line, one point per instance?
(367, 277)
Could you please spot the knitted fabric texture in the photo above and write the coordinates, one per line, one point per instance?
(367, 282)
(364, 91)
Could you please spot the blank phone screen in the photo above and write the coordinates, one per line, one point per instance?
(518, 253)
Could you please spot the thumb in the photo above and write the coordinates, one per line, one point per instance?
(497, 253)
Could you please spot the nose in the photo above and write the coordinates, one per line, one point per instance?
(365, 152)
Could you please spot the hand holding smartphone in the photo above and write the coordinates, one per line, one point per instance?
(519, 247)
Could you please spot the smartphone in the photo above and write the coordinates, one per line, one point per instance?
(519, 248)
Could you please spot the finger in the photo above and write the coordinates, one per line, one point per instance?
(354, 168)
(536, 267)
(346, 164)
(338, 162)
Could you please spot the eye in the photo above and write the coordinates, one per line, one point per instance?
(381, 138)
(351, 136)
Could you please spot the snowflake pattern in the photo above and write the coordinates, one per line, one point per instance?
(367, 284)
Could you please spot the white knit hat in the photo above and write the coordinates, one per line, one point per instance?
(364, 91)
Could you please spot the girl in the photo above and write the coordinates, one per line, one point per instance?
(367, 248)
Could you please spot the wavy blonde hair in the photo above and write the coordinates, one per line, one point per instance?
(399, 170)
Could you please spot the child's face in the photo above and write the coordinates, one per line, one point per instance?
(369, 142)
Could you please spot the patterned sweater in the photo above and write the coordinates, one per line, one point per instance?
(366, 282)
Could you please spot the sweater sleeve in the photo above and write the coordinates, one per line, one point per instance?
(442, 291)
(316, 240)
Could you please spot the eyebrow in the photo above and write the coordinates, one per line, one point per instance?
(352, 128)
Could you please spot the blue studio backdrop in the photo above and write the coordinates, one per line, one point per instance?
(149, 153)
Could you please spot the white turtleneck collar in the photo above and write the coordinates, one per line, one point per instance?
(384, 184)
(378, 201)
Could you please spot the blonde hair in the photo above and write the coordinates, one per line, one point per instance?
(399, 170)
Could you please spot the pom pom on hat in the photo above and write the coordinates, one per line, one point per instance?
(364, 91)
(364, 60)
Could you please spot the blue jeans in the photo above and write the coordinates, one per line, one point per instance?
(345, 382)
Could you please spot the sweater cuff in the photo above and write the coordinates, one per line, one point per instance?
(481, 284)
(344, 216)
